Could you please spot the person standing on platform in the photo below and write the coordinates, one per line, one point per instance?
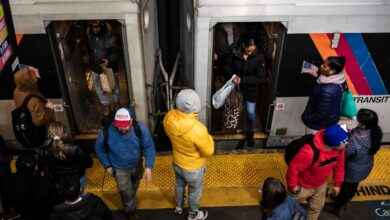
(323, 107)
(127, 141)
(364, 143)
(42, 111)
(104, 52)
(191, 144)
(308, 180)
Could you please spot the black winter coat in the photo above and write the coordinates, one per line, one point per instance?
(221, 45)
(252, 72)
(75, 163)
(31, 196)
(103, 46)
(90, 207)
(323, 107)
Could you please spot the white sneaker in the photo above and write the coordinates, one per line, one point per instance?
(178, 210)
(200, 216)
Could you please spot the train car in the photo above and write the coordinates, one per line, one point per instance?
(52, 37)
(292, 32)
(288, 33)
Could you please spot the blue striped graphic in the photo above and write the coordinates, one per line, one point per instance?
(366, 63)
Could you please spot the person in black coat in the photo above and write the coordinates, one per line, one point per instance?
(104, 52)
(323, 107)
(77, 207)
(64, 159)
(28, 194)
(249, 66)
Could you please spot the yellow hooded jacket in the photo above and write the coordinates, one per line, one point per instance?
(191, 142)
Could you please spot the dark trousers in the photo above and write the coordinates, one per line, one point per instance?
(347, 192)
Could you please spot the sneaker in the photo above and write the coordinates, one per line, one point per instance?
(179, 210)
(201, 215)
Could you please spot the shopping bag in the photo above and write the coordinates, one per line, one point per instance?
(107, 79)
(219, 98)
(348, 107)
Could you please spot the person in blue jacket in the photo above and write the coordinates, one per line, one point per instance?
(275, 204)
(364, 143)
(323, 107)
(122, 159)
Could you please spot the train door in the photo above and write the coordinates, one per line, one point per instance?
(70, 47)
(269, 38)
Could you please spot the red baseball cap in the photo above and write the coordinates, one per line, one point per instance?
(122, 118)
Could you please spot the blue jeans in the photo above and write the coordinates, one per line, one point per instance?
(83, 183)
(251, 115)
(194, 179)
(103, 97)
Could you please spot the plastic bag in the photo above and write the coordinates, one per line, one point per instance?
(219, 98)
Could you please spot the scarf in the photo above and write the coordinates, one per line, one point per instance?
(338, 78)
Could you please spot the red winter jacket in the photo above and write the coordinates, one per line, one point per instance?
(300, 172)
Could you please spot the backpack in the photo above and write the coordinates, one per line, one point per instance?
(28, 135)
(294, 146)
(135, 124)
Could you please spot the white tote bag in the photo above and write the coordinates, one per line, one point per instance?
(220, 96)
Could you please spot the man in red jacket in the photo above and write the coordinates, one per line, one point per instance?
(307, 181)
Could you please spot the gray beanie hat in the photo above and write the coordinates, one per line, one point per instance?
(188, 101)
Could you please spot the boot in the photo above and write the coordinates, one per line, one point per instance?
(249, 138)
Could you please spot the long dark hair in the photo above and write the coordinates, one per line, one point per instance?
(369, 119)
(273, 193)
(336, 63)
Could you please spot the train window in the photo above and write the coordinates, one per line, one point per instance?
(234, 53)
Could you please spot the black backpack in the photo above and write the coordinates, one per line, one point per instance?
(28, 135)
(107, 122)
(294, 146)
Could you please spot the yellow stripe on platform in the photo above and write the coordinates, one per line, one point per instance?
(231, 180)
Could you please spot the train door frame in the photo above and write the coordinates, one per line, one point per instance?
(30, 18)
(276, 36)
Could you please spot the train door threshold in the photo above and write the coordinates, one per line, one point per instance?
(228, 142)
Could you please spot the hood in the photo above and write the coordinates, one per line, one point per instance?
(25, 80)
(178, 123)
(188, 101)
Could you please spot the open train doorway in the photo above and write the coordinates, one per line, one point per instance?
(72, 52)
(228, 47)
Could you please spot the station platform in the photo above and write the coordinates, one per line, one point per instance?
(231, 180)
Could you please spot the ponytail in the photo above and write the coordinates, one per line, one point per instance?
(369, 119)
(376, 135)
(59, 149)
(57, 131)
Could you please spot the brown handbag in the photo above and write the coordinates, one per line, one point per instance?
(236, 99)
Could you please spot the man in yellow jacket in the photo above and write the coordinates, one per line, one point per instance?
(191, 144)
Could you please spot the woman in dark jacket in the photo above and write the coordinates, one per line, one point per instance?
(64, 159)
(364, 142)
(323, 107)
(277, 205)
(249, 66)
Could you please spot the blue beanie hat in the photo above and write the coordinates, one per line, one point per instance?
(335, 135)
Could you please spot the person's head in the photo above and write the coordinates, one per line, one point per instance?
(69, 188)
(333, 65)
(26, 165)
(368, 119)
(122, 120)
(97, 27)
(273, 193)
(188, 101)
(58, 132)
(249, 45)
(27, 78)
(336, 136)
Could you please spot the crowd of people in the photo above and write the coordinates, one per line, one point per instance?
(124, 143)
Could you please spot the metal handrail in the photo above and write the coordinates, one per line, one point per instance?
(168, 79)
